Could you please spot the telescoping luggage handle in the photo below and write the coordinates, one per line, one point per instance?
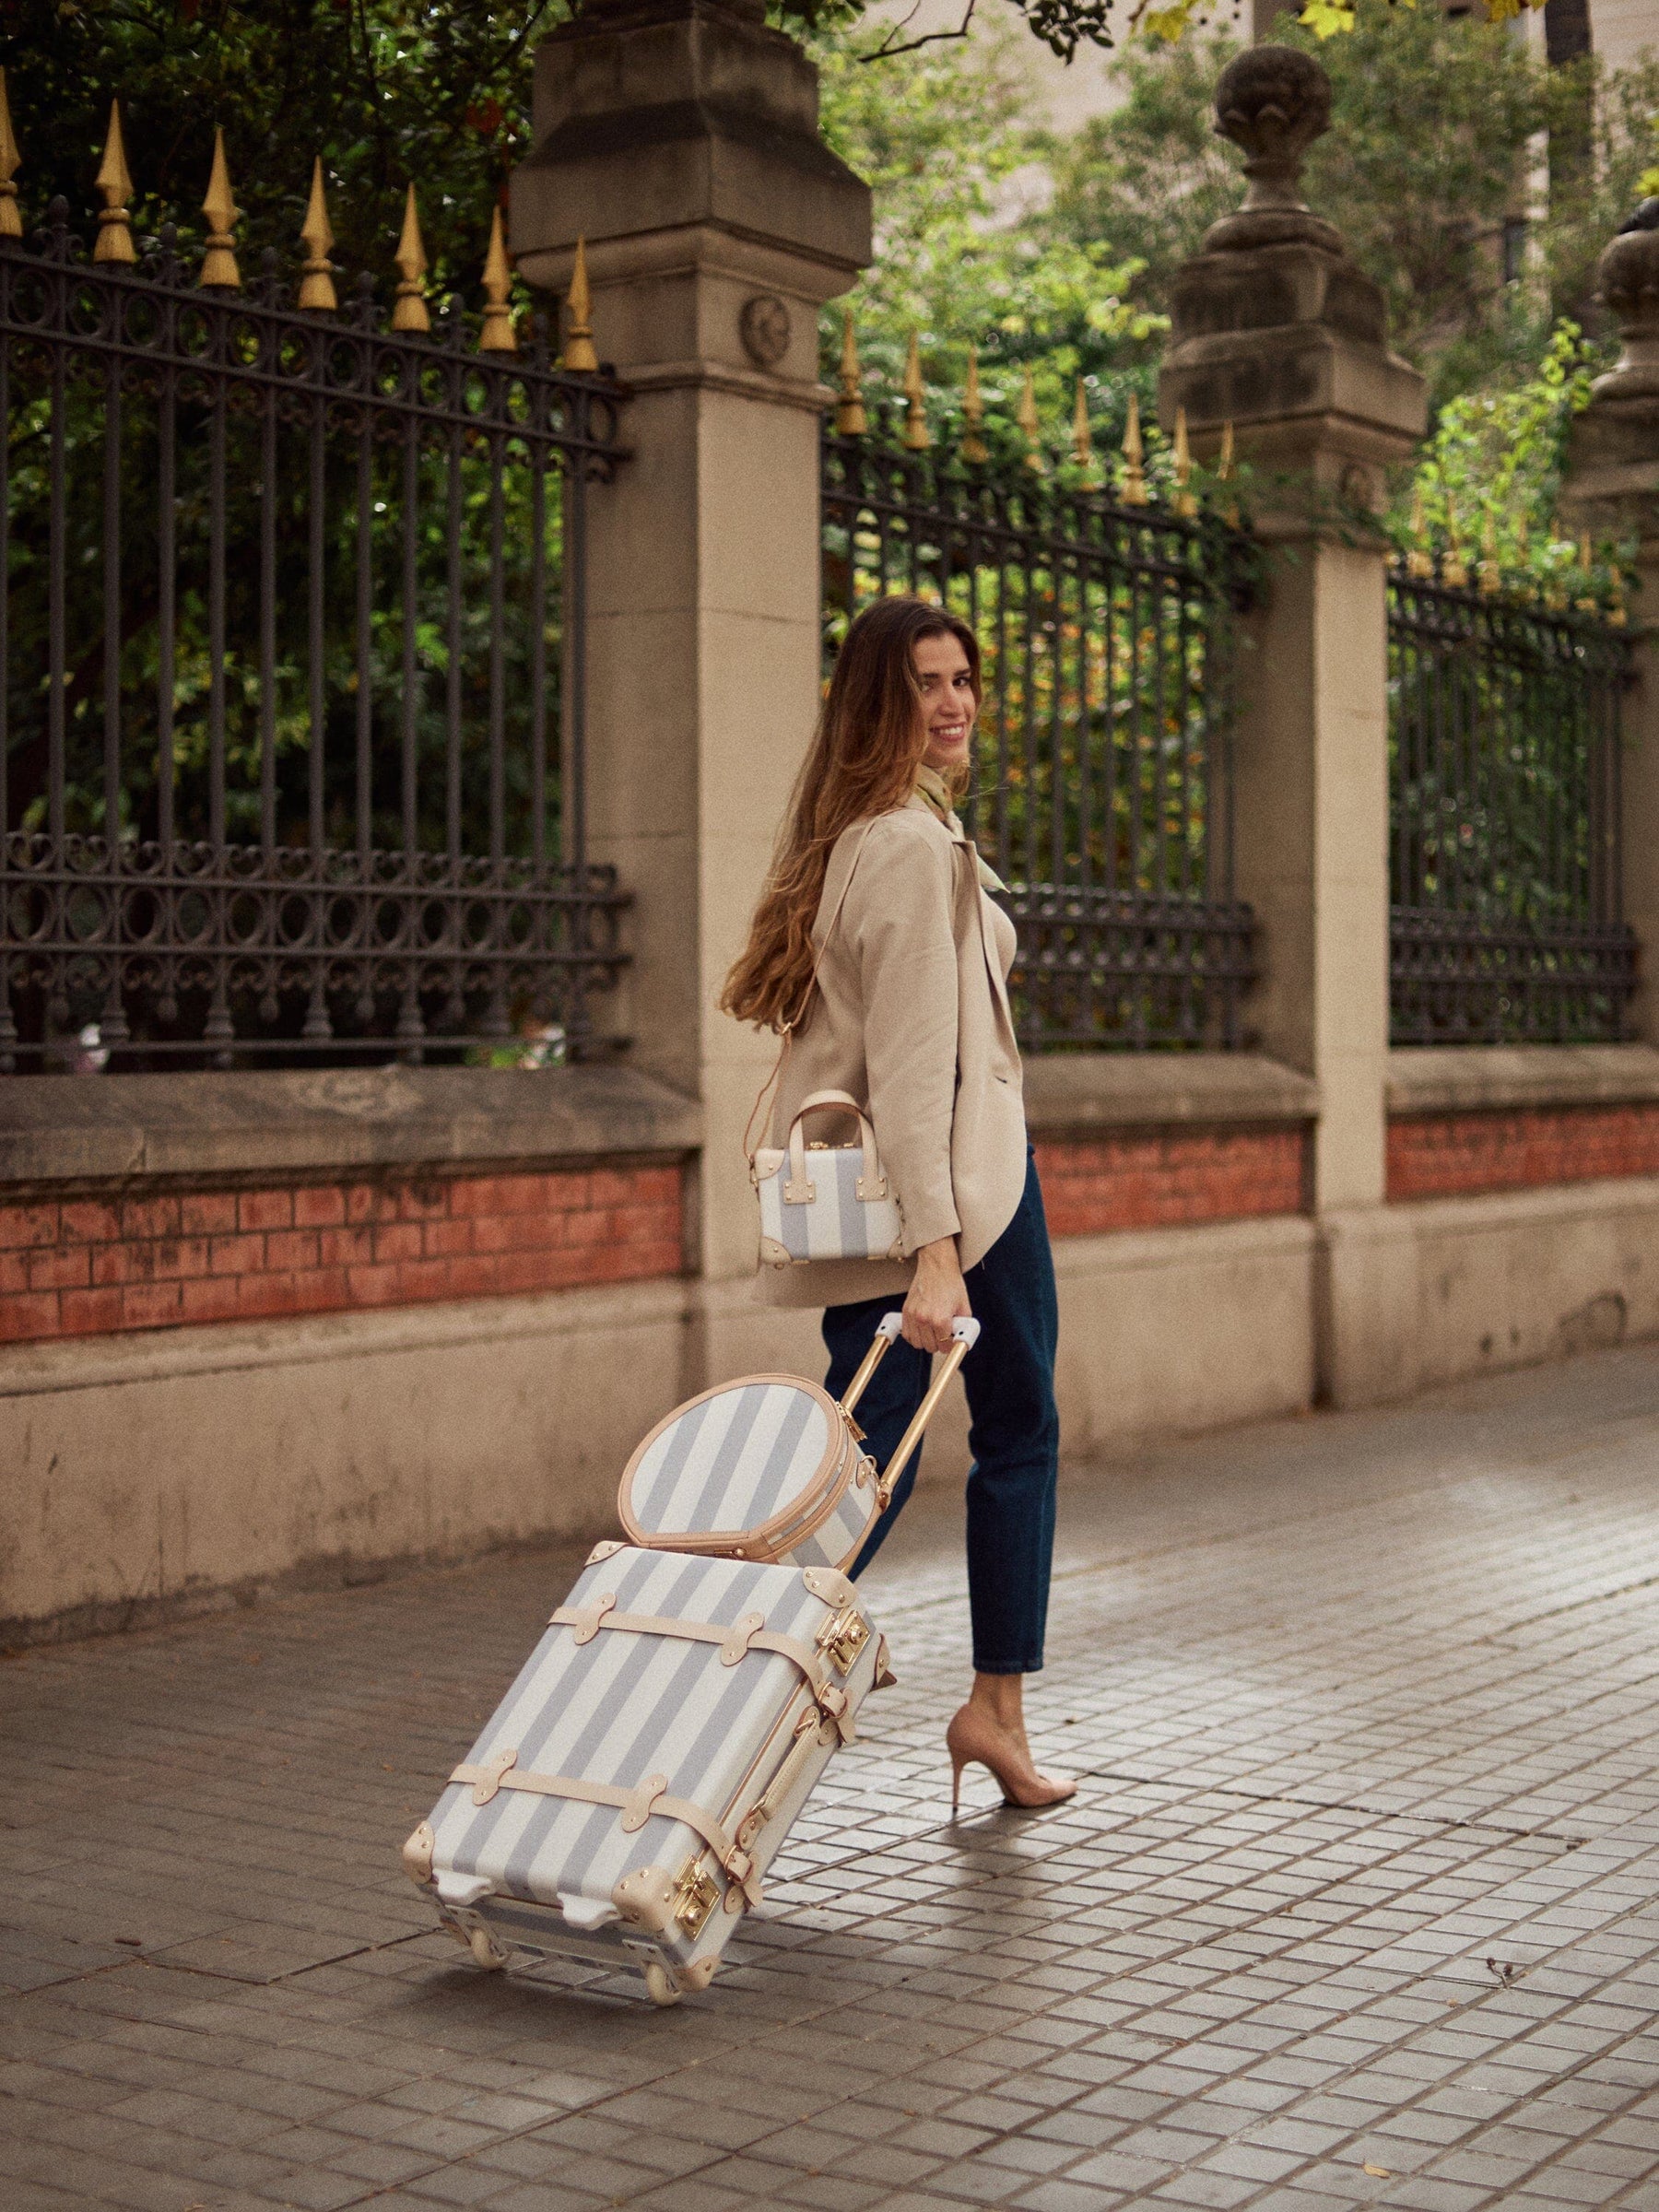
(966, 1333)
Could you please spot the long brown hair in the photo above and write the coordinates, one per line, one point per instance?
(863, 761)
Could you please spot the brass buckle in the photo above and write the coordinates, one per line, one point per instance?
(696, 1894)
(843, 1637)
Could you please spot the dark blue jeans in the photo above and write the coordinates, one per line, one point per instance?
(1013, 1435)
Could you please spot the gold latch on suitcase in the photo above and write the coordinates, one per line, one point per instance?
(843, 1637)
(696, 1894)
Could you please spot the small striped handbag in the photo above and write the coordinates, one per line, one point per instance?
(826, 1202)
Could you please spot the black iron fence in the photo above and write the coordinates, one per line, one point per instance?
(1103, 784)
(1504, 737)
(291, 693)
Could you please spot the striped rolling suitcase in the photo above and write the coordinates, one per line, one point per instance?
(626, 1796)
(769, 1467)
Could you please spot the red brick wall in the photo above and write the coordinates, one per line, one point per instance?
(1155, 1178)
(1455, 1155)
(74, 1266)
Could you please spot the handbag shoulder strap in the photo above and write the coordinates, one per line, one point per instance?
(835, 916)
(799, 1016)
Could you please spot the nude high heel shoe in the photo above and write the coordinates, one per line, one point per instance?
(974, 1739)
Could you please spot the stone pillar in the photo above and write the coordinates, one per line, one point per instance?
(1611, 487)
(1277, 331)
(680, 139)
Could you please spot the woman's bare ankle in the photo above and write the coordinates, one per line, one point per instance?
(1001, 1698)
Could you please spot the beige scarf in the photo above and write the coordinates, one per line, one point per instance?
(933, 793)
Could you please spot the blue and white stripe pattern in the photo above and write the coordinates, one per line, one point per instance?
(837, 1224)
(839, 1538)
(622, 1706)
(730, 1460)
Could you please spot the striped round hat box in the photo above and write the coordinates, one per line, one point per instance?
(771, 1469)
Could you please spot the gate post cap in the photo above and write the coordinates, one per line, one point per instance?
(1273, 102)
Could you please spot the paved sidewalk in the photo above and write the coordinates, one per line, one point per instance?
(1355, 1906)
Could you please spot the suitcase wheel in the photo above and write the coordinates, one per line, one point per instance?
(660, 1983)
(488, 1951)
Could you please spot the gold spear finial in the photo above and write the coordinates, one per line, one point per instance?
(1419, 562)
(1555, 594)
(1491, 575)
(1082, 439)
(115, 240)
(975, 451)
(850, 418)
(1224, 472)
(1186, 502)
(497, 334)
(1587, 604)
(11, 160)
(316, 278)
(1134, 490)
(1615, 613)
(219, 262)
(579, 355)
(1454, 569)
(1030, 424)
(917, 436)
(409, 308)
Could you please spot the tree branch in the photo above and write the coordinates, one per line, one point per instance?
(887, 50)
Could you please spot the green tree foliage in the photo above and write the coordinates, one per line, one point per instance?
(964, 256)
(1432, 151)
(1065, 24)
(1152, 176)
(386, 91)
(1425, 159)
(1624, 139)
(1486, 484)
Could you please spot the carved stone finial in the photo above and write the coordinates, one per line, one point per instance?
(1273, 102)
(1628, 284)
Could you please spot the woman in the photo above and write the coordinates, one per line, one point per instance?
(909, 1012)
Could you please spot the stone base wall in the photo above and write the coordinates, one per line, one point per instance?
(441, 1318)
(112, 1259)
(169, 1471)
(1448, 1288)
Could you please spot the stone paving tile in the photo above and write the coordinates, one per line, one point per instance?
(1358, 1902)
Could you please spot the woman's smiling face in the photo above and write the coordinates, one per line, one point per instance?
(949, 706)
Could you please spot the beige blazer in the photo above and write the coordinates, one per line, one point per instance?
(910, 1015)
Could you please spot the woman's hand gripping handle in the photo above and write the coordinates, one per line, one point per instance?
(963, 1336)
(938, 1297)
